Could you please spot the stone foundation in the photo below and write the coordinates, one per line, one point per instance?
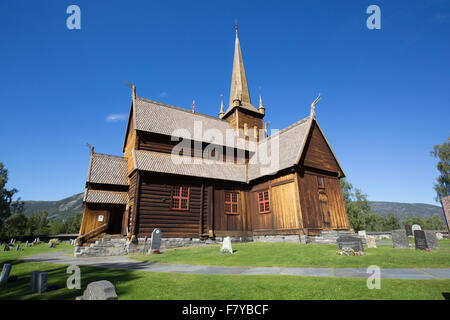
(115, 247)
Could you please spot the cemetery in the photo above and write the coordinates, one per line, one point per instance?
(282, 267)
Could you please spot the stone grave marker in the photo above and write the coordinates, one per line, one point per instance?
(400, 239)
(408, 229)
(17, 247)
(362, 233)
(352, 242)
(156, 240)
(432, 240)
(415, 227)
(439, 236)
(5, 273)
(420, 240)
(41, 285)
(99, 290)
(226, 245)
(371, 242)
(34, 280)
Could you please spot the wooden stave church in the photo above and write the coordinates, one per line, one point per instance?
(129, 196)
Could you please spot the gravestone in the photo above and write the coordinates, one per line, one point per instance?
(371, 242)
(5, 273)
(362, 233)
(400, 239)
(352, 242)
(34, 280)
(27, 244)
(156, 240)
(99, 290)
(420, 239)
(415, 227)
(226, 245)
(41, 285)
(408, 229)
(6, 248)
(17, 247)
(432, 240)
(439, 236)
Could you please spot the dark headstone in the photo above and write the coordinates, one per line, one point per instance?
(41, 282)
(99, 290)
(156, 240)
(400, 239)
(354, 243)
(432, 240)
(420, 240)
(6, 248)
(408, 229)
(34, 280)
(5, 273)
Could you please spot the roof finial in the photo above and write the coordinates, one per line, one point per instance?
(261, 106)
(236, 27)
(193, 106)
(313, 106)
(133, 88)
(221, 113)
(90, 147)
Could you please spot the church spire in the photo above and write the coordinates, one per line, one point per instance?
(239, 88)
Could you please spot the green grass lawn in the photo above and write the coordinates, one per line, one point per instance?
(411, 240)
(149, 285)
(258, 254)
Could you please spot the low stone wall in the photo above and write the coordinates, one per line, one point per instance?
(281, 238)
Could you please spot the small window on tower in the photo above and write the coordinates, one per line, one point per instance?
(320, 182)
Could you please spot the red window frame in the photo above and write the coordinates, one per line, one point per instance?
(180, 198)
(231, 202)
(263, 201)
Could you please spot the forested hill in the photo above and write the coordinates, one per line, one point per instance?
(57, 210)
(60, 210)
(406, 209)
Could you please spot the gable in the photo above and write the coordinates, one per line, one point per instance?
(318, 154)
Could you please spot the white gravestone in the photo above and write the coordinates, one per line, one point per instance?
(226, 245)
(371, 242)
(415, 227)
(362, 233)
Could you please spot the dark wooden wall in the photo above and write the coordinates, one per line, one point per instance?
(161, 143)
(155, 207)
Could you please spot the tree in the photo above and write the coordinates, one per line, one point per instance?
(442, 152)
(392, 222)
(16, 225)
(375, 222)
(38, 223)
(356, 205)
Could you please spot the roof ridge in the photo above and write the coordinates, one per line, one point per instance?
(179, 108)
(109, 156)
(289, 127)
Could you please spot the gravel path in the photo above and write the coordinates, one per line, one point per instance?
(123, 262)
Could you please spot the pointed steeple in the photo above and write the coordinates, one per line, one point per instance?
(261, 106)
(239, 94)
(221, 113)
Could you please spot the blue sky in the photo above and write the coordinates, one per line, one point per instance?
(386, 92)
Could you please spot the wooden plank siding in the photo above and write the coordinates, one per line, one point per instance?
(155, 207)
(312, 212)
(285, 211)
(317, 154)
(161, 143)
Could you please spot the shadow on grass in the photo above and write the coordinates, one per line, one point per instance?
(57, 281)
(446, 295)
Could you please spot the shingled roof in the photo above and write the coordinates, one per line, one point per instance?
(157, 117)
(167, 163)
(107, 169)
(291, 141)
(109, 197)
